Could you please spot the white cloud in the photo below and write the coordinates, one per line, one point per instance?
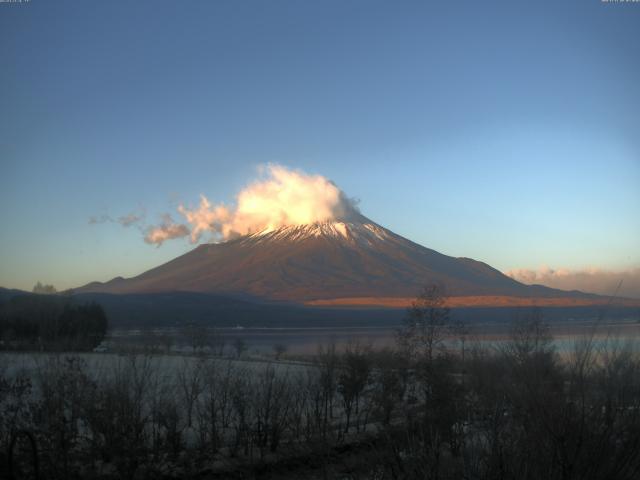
(165, 231)
(592, 280)
(282, 197)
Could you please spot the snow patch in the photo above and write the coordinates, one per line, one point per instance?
(341, 228)
(363, 233)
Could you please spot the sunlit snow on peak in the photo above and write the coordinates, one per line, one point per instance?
(364, 232)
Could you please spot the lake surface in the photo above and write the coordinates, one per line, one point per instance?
(306, 340)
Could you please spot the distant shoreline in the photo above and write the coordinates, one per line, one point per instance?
(477, 301)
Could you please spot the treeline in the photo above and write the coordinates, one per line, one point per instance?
(50, 322)
(438, 406)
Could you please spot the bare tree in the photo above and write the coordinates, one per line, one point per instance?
(530, 337)
(240, 346)
(327, 362)
(63, 384)
(196, 336)
(119, 414)
(460, 330)
(215, 409)
(166, 341)
(279, 349)
(354, 377)
(425, 325)
(241, 394)
(190, 385)
(217, 342)
(272, 400)
(390, 382)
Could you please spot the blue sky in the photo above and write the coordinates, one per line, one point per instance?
(504, 131)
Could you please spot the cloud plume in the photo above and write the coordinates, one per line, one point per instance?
(280, 197)
(592, 280)
(130, 219)
(125, 220)
(166, 231)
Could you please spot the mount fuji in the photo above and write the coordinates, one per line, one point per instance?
(349, 262)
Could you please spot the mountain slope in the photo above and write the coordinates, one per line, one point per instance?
(320, 261)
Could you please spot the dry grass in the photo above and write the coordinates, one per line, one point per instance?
(474, 301)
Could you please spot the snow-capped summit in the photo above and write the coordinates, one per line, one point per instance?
(358, 230)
